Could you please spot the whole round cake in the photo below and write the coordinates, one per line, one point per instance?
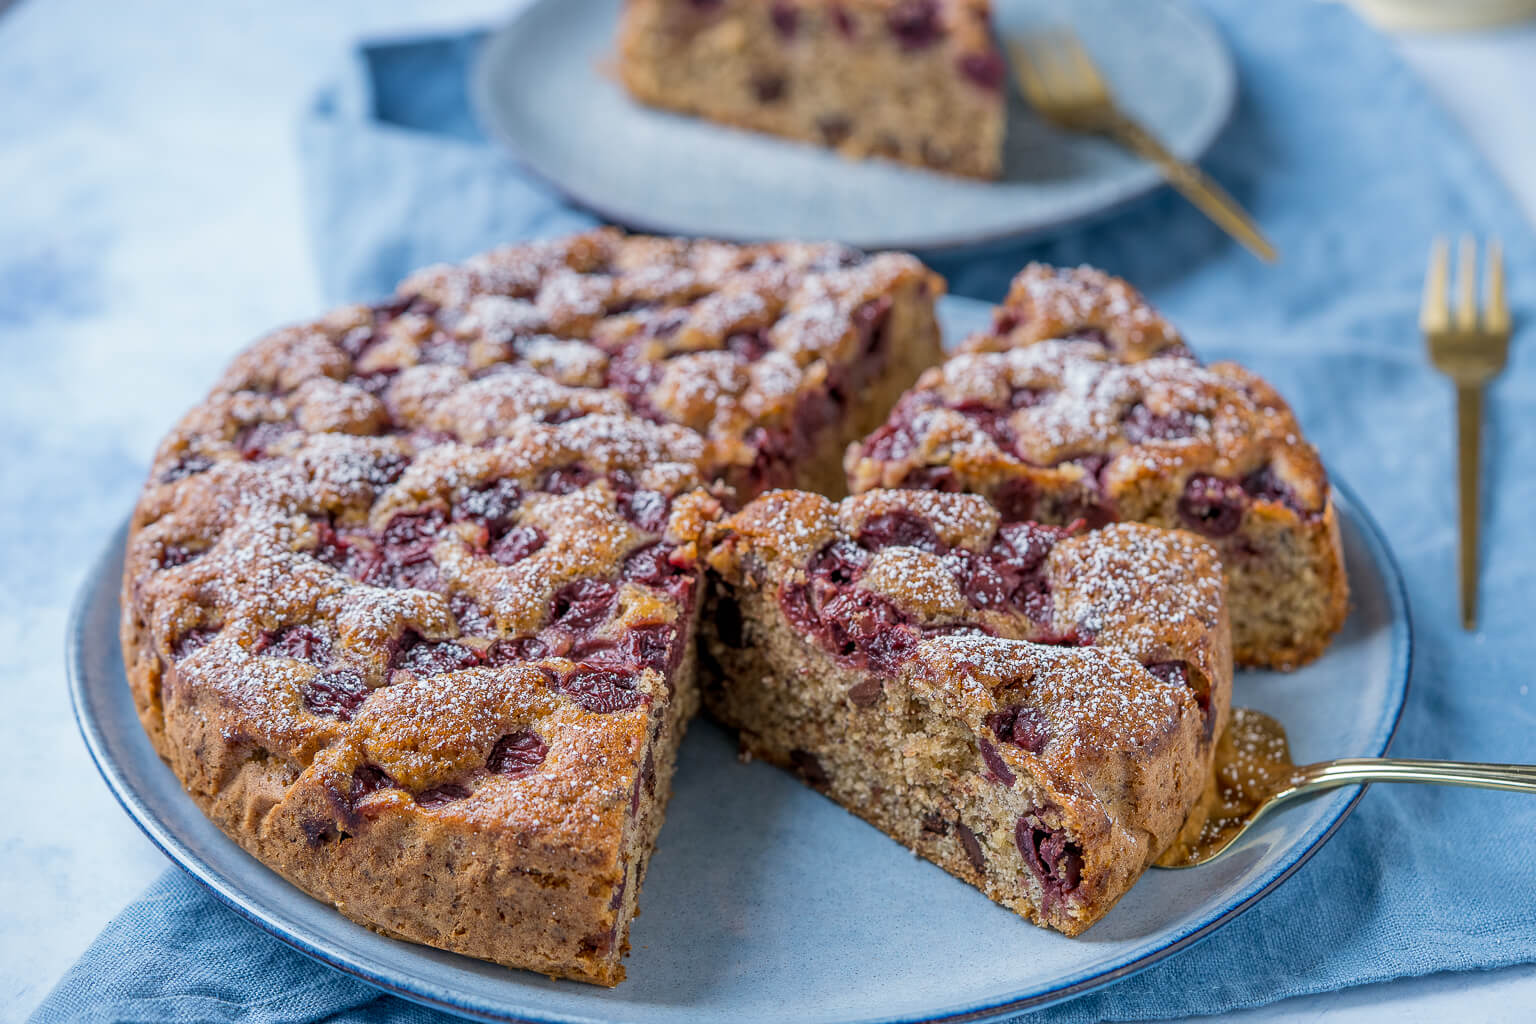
(412, 600)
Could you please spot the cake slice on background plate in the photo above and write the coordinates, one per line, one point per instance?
(917, 81)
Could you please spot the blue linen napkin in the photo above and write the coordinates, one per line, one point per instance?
(1351, 169)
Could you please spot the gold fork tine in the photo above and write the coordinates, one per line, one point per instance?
(1471, 352)
(1088, 77)
(1496, 316)
(1024, 66)
(1059, 78)
(1466, 285)
(1435, 314)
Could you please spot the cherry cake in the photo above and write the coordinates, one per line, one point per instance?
(917, 81)
(1032, 708)
(1082, 404)
(409, 603)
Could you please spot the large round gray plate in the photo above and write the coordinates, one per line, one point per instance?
(543, 87)
(768, 903)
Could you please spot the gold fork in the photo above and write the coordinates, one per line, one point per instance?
(1062, 83)
(1470, 349)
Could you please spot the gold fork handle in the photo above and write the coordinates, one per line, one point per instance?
(1469, 432)
(1194, 185)
(1351, 771)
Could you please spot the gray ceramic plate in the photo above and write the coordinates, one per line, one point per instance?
(768, 903)
(542, 88)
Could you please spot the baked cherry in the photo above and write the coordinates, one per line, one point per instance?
(972, 847)
(516, 649)
(420, 656)
(646, 509)
(993, 422)
(439, 795)
(809, 767)
(566, 479)
(985, 69)
(1212, 506)
(338, 694)
(1055, 860)
(997, 769)
(299, 642)
(494, 506)
(749, 345)
(915, 23)
(1141, 424)
(173, 555)
(517, 753)
(1022, 726)
(582, 605)
(369, 778)
(254, 441)
(193, 639)
(899, 527)
(785, 17)
(602, 690)
(517, 544)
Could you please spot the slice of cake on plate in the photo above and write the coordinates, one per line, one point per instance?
(439, 686)
(1031, 710)
(917, 81)
(1120, 423)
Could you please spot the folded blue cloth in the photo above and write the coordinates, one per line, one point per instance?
(1351, 170)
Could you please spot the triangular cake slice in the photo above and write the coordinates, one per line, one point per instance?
(1031, 709)
(1082, 403)
(917, 81)
(439, 687)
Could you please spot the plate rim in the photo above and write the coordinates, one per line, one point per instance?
(442, 997)
(1143, 181)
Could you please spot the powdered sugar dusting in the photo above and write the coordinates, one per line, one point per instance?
(1091, 699)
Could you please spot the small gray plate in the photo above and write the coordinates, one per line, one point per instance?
(766, 902)
(542, 87)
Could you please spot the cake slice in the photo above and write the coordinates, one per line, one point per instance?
(440, 686)
(1030, 709)
(1120, 423)
(918, 81)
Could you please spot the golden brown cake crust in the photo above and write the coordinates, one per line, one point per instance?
(871, 645)
(1046, 302)
(1116, 421)
(917, 81)
(408, 603)
(440, 688)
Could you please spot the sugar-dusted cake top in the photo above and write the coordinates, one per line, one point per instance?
(875, 576)
(727, 340)
(1069, 707)
(1069, 404)
(430, 619)
(1046, 302)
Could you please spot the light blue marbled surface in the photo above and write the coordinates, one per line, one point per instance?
(151, 224)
